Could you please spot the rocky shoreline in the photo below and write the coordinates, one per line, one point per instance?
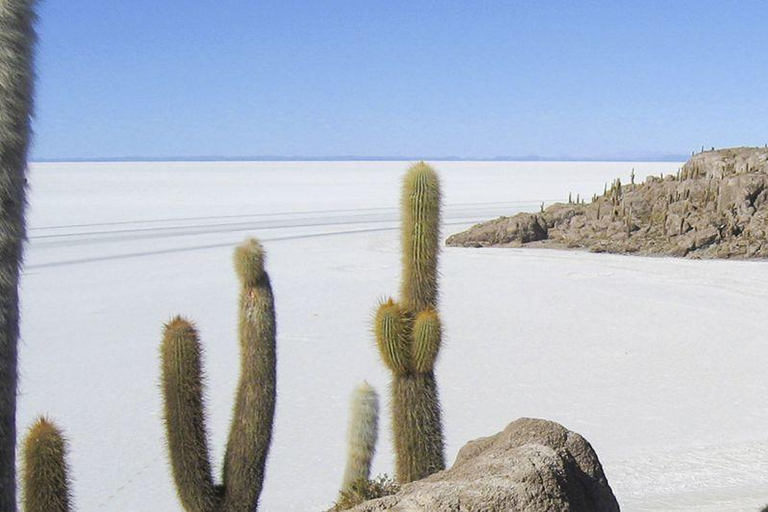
(716, 206)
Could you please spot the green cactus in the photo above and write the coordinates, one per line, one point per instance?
(420, 236)
(185, 415)
(417, 428)
(409, 334)
(362, 436)
(251, 429)
(427, 334)
(17, 42)
(392, 337)
(45, 480)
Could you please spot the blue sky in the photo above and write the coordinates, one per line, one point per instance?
(185, 78)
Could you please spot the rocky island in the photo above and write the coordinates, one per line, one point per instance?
(715, 206)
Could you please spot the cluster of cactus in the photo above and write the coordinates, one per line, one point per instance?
(409, 333)
(251, 429)
(578, 200)
(692, 171)
(615, 192)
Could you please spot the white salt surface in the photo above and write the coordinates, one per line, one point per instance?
(659, 363)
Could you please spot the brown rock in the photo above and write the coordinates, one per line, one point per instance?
(520, 229)
(715, 207)
(532, 466)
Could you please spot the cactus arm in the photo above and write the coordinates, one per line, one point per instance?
(251, 430)
(390, 328)
(362, 435)
(184, 412)
(45, 479)
(427, 334)
(420, 235)
(17, 42)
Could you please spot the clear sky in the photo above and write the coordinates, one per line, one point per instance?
(472, 78)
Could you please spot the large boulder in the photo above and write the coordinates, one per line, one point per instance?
(532, 465)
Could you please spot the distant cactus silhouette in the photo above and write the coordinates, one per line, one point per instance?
(362, 436)
(251, 429)
(45, 479)
(17, 42)
(408, 334)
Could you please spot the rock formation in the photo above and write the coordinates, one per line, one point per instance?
(532, 465)
(716, 206)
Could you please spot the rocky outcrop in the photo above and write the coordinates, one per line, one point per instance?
(532, 465)
(716, 206)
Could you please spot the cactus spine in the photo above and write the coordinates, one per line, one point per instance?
(251, 429)
(408, 334)
(17, 41)
(45, 483)
(362, 435)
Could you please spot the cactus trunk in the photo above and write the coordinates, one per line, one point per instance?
(17, 41)
(417, 426)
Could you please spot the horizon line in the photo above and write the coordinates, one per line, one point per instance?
(668, 157)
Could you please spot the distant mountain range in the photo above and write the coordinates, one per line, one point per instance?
(641, 157)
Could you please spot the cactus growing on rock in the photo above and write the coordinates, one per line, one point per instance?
(408, 334)
(362, 436)
(17, 41)
(251, 429)
(45, 482)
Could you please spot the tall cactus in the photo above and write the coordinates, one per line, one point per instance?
(251, 429)
(17, 41)
(45, 482)
(409, 334)
(362, 435)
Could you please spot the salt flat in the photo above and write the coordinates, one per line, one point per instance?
(659, 363)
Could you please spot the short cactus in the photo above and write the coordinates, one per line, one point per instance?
(45, 479)
(251, 429)
(408, 334)
(362, 436)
